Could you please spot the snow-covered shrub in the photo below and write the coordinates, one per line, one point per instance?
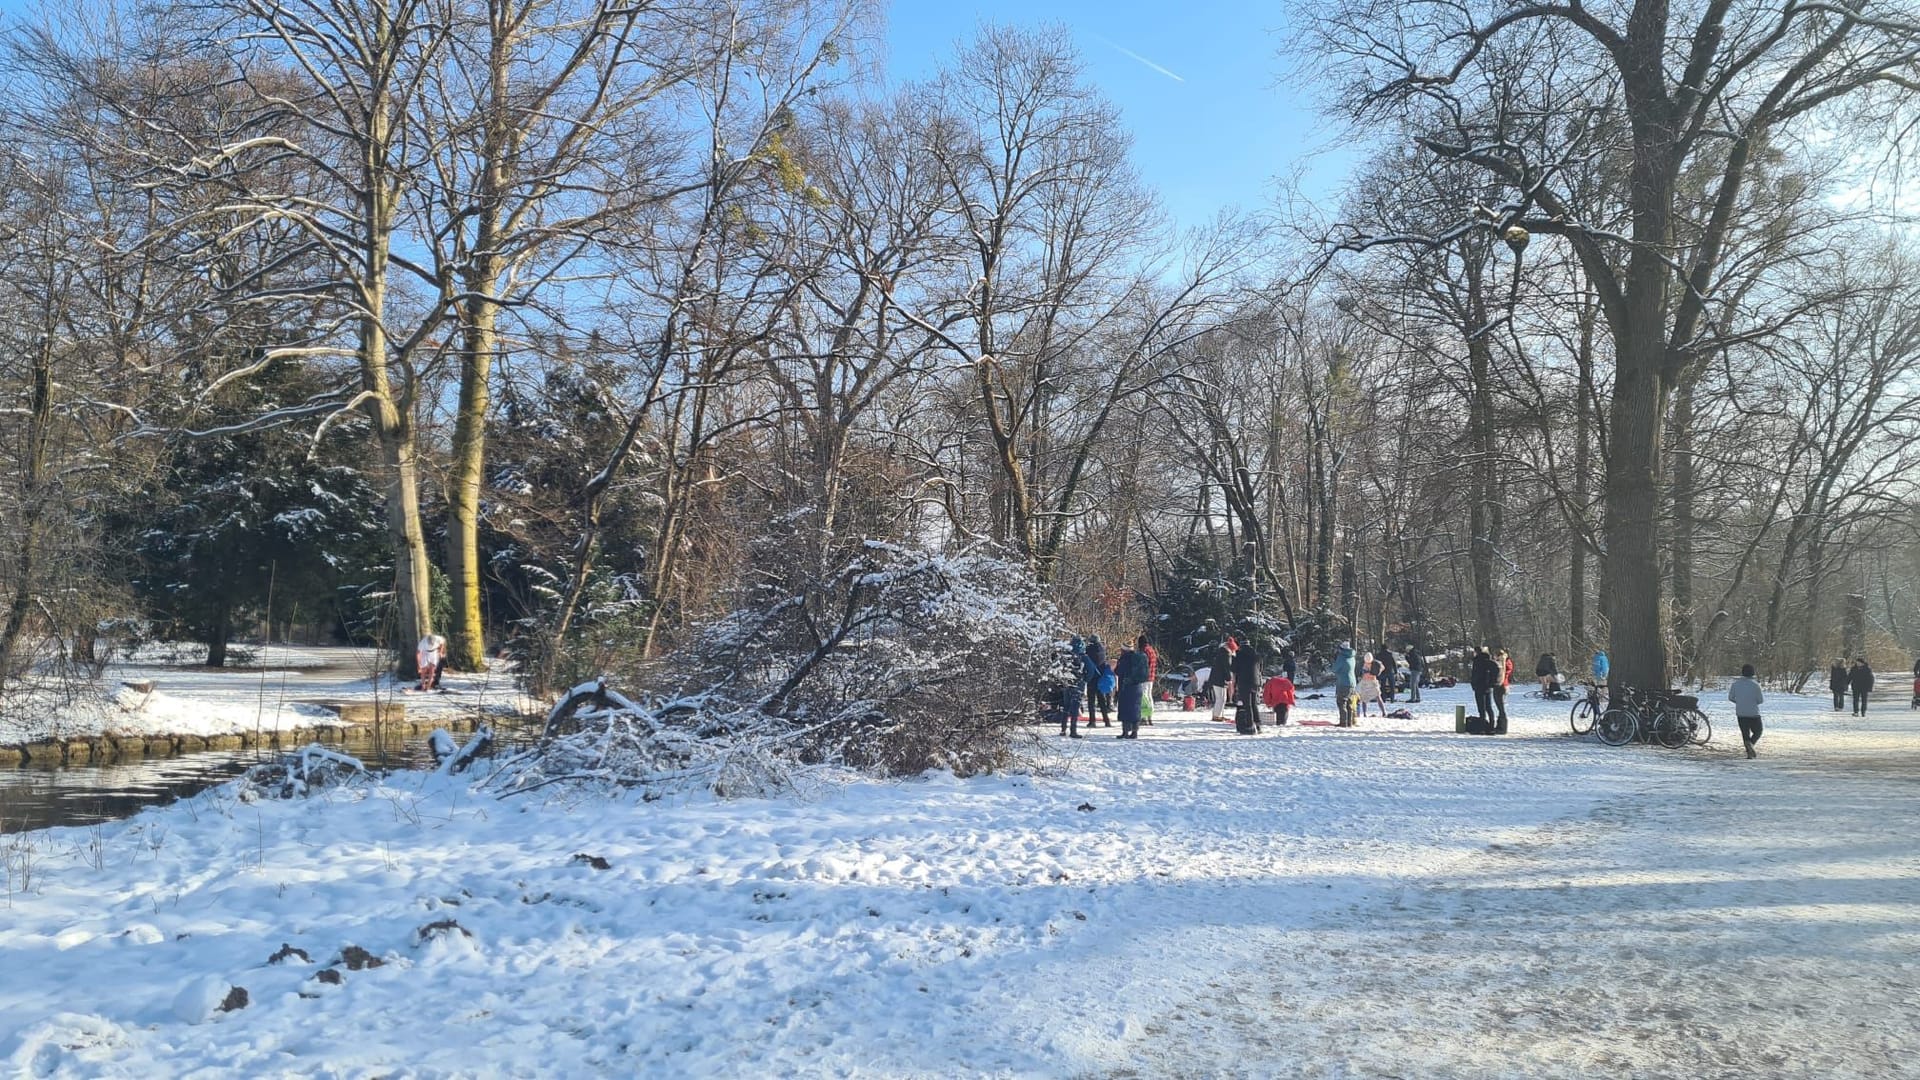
(309, 770)
(898, 661)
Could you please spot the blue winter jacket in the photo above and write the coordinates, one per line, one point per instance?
(1343, 673)
(1600, 666)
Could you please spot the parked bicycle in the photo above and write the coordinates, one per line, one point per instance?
(1669, 718)
(1586, 710)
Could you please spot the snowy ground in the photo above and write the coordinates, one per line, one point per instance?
(283, 688)
(1392, 901)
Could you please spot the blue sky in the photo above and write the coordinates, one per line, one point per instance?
(1218, 135)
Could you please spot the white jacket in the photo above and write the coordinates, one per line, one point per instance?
(1746, 696)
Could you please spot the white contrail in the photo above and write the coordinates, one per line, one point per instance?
(1124, 51)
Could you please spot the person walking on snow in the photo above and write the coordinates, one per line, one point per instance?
(1860, 680)
(1246, 690)
(430, 656)
(1482, 677)
(1745, 694)
(1837, 680)
(1344, 680)
(1130, 671)
(1416, 672)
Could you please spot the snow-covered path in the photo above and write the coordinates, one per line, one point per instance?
(1740, 919)
(1393, 901)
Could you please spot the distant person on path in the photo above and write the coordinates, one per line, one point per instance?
(430, 656)
(1344, 679)
(1220, 677)
(1837, 681)
(1745, 694)
(1482, 677)
(1860, 680)
(1130, 671)
(1246, 690)
(1416, 672)
(1099, 688)
(1505, 660)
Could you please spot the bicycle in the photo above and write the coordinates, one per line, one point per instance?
(1671, 719)
(1586, 710)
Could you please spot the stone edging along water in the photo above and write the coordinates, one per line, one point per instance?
(98, 749)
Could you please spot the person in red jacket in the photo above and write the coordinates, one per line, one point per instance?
(1280, 697)
(1505, 660)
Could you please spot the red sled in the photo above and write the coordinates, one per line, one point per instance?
(1316, 723)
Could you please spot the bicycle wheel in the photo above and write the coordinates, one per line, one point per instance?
(1582, 717)
(1670, 728)
(1702, 727)
(1616, 726)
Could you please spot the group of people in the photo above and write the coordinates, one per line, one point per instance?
(1105, 685)
(1234, 676)
(1858, 679)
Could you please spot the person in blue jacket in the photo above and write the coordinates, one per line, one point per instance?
(1096, 667)
(1600, 666)
(1133, 673)
(1345, 682)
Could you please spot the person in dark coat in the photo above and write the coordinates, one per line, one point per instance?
(1860, 681)
(1547, 670)
(1389, 674)
(1837, 680)
(1097, 660)
(1416, 672)
(1131, 673)
(1219, 676)
(1290, 665)
(1070, 695)
(1483, 677)
(1246, 690)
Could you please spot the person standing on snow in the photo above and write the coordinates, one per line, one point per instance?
(1505, 660)
(1097, 659)
(1837, 680)
(1074, 697)
(1290, 665)
(1860, 680)
(1416, 672)
(1745, 694)
(1484, 674)
(1344, 681)
(1600, 667)
(1153, 680)
(1283, 698)
(1246, 690)
(1389, 676)
(1130, 672)
(1220, 677)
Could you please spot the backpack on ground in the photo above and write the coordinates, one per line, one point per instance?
(1478, 726)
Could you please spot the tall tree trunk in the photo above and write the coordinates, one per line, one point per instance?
(33, 481)
(466, 641)
(1637, 641)
(1482, 514)
(1684, 500)
(1582, 461)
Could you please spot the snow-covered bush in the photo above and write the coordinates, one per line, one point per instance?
(898, 661)
(309, 770)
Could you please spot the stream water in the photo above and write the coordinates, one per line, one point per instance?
(39, 797)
